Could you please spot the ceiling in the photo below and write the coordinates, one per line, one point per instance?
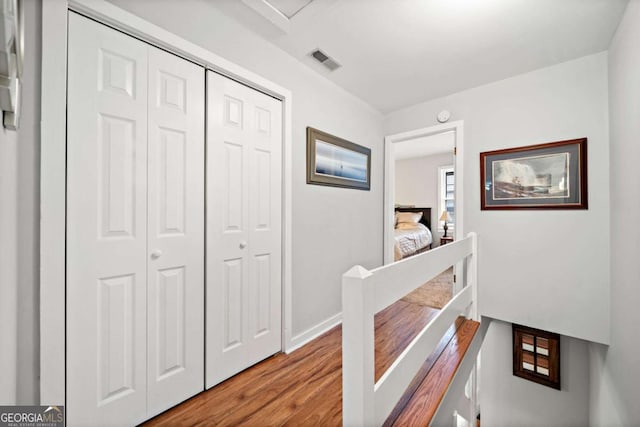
(397, 53)
(289, 7)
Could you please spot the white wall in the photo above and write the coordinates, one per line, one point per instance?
(615, 372)
(538, 405)
(333, 228)
(19, 219)
(544, 269)
(416, 183)
(29, 211)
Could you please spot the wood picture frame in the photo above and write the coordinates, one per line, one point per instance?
(536, 355)
(543, 176)
(337, 162)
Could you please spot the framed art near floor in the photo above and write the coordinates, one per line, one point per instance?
(544, 176)
(536, 356)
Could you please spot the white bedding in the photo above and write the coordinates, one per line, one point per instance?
(410, 238)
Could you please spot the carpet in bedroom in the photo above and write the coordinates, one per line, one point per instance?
(435, 293)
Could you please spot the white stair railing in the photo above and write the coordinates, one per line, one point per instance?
(364, 293)
(455, 400)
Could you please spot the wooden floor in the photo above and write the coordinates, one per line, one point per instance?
(305, 388)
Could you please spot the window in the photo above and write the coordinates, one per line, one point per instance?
(447, 187)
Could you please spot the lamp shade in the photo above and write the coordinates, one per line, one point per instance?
(445, 216)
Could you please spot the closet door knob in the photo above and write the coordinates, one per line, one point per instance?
(156, 254)
(243, 245)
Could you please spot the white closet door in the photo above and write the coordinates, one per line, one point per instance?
(135, 228)
(106, 226)
(175, 231)
(244, 283)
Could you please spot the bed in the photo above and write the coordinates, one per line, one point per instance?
(412, 231)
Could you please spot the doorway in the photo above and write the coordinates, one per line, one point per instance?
(418, 143)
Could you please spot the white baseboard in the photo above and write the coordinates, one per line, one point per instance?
(312, 333)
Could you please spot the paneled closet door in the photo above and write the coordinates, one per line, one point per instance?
(135, 228)
(244, 230)
(106, 226)
(175, 230)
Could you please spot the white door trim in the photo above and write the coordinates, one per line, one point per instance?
(53, 167)
(390, 173)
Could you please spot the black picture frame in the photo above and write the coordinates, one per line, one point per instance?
(337, 162)
(543, 176)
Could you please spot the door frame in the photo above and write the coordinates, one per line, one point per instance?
(53, 168)
(457, 127)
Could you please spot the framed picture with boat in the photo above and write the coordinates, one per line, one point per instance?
(337, 162)
(543, 176)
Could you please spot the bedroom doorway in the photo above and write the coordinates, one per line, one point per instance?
(424, 161)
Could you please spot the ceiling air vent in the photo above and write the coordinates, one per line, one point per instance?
(325, 60)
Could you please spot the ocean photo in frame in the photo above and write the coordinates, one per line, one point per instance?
(337, 162)
(543, 176)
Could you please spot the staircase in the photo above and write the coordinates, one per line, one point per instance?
(419, 403)
(427, 383)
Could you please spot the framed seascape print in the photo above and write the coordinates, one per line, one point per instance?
(544, 176)
(336, 162)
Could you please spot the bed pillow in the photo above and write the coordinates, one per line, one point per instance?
(408, 217)
(411, 226)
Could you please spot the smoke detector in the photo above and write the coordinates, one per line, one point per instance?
(325, 60)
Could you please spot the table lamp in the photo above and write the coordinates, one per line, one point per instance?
(445, 217)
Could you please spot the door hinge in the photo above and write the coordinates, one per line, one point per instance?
(454, 278)
(455, 151)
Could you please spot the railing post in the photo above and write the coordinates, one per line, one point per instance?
(472, 275)
(472, 271)
(473, 394)
(357, 349)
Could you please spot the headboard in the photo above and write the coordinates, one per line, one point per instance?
(426, 214)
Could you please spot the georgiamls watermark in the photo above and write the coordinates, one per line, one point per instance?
(32, 416)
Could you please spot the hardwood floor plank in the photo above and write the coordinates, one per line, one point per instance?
(396, 326)
(325, 409)
(303, 388)
(236, 400)
(286, 397)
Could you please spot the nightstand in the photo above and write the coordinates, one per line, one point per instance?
(445, 240)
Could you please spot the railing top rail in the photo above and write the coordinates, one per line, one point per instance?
(393, 281)
(416, 259)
